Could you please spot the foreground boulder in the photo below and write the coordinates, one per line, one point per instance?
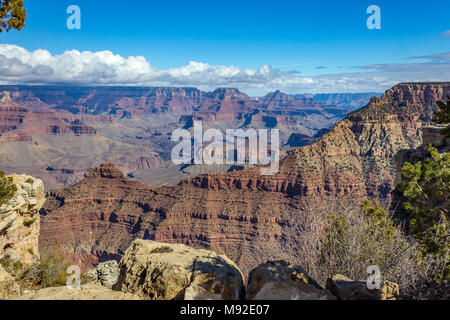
(90, 291)
(279, 280)
(347, 289)
(159, 271)
(106, 273)
(19, 221)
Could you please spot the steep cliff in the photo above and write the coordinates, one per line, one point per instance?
(58, 133)
(20, 220)
(249, 217)
(19, 231)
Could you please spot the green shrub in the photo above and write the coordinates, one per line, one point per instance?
(352, 243)
(28, 223)
(427, 192)
(7, 188)
(52, 269)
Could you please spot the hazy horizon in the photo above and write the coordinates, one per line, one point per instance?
(293, 46)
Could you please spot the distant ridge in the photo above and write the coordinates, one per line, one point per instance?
(250, 218)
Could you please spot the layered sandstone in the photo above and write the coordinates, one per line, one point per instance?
(70, 130)
(19, 231)
(158, 271)
(20, 221)
(249, 217)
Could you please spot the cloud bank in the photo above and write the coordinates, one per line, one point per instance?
(20, 66)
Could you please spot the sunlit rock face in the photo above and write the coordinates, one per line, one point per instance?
(249, 217)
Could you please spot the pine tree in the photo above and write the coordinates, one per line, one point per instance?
(443, 116)
(427, 190)
(12, 15)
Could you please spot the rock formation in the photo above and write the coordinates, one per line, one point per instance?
(70, 130)
(346, 289)
(346, 100)
(278, 280)
(159, 271)
(249, 217)
(90, 291)
(20, 221)
(106, 273)
(19, 230)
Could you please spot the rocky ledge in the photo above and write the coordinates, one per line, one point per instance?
(159, 271)
(152, 270)
(19, 221)
(19, 229)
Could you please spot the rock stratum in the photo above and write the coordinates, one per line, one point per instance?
(58, 133)
(19, 230)
(20, 221)
(249, 217)
(158, 271)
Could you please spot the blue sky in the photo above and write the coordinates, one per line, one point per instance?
(326, 42)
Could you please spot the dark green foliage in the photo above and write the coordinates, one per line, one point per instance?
(12, 15)
(7, 188)
(28, 223)
(427, 190)
(443, 116)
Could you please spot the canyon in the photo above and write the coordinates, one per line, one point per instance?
(58, 133)
(246, 216)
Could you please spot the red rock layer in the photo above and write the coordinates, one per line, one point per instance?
(249, 217)
(221, 104)
(44, 121)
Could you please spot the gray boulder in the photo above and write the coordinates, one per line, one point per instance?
(347, 289)
(279, 280)
(106, 273)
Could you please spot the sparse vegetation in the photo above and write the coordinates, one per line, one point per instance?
(29, 222)
(7, 188)
(14, 268)
(417, 258)
(353, 243)
(49, 271)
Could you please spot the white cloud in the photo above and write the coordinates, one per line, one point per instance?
(20, 66)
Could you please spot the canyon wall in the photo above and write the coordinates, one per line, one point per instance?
(58, 133)
(249, 217)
